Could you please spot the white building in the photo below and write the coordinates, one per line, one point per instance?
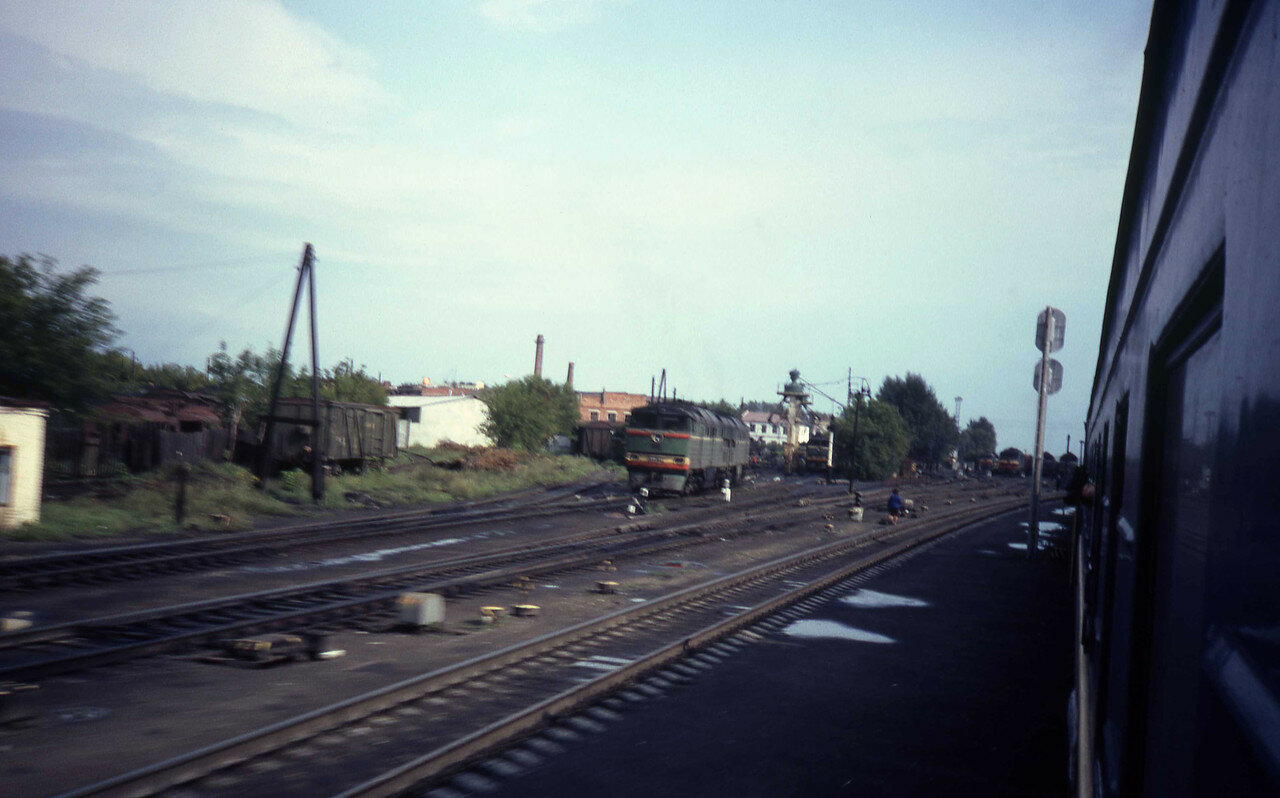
(22, 429)
(772, 427)
(430, 420)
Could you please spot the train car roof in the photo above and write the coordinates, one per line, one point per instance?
(689, 410)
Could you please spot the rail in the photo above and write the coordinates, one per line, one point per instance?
(534, 675)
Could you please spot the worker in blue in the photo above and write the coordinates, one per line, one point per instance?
(895, 504)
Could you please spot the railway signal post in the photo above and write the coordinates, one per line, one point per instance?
(1047, 379)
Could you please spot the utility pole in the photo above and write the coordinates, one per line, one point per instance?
(306, 272)
(864, 392)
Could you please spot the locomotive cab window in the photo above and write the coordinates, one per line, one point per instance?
(675, 423)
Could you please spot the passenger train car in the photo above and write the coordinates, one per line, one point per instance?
(682, 447)
(1178, 574)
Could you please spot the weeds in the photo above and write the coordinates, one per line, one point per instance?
(226, 497)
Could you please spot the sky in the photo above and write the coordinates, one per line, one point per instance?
(727, 190)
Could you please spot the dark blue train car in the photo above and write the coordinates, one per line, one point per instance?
(1178, 658)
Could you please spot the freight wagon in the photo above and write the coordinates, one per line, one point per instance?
(352, 433)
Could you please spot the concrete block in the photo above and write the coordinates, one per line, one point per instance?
(420, 609)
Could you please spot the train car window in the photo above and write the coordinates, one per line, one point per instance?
(1095, 530)
(1174, 557)
(6, 472)
(1106, 742)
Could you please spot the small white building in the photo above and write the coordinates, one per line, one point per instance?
(22, 428)
(430, 420)
(769, 427)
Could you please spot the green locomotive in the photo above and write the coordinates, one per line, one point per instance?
(681, 447)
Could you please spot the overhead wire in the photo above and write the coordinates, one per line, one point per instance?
(253, 260)
(243, 301)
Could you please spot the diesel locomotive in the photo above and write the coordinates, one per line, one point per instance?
(681, 447)
(815, 456)
(1177, 689)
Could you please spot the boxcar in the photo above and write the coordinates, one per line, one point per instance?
(1177, 687)
(683, 447)
(600, 440)
(353, 433)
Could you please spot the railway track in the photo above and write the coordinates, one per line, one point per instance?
(40, 652)
(113, 563)
(412, 734)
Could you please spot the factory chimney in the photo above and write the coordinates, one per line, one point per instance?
(537, 356)
(568, 381)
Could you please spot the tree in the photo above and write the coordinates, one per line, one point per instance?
(526, 413)
(56, 337)
(978, 439)
(721, 406)
(343, 383)
(243, 383)
(883, 439)
(933, 430)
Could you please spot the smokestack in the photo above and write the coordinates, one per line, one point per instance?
(568, 381)
(537, 356)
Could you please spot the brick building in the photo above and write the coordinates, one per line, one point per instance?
(611, 406)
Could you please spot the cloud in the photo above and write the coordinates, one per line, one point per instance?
(240, 53)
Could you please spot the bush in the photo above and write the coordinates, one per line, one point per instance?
(527, 413)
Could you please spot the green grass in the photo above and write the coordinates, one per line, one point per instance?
(226, 497)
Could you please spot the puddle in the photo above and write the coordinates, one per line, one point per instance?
(1044, 545)
(1065, 512)
(1045, 526)
(81, 714)
(368, 556)
(832, 630)
(874, 598)
(601, 662)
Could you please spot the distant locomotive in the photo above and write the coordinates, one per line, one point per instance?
(683, 448)
(1012, 463)
(815, 455)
